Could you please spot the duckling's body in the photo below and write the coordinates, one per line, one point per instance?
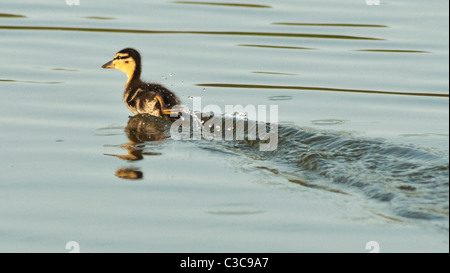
(139, 96)
(144, 98)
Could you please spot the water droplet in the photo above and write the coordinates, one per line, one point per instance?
(170, 74)
(204, 89)
(241, 115)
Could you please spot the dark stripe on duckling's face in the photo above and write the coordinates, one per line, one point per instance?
(118, 57)
(121, 57)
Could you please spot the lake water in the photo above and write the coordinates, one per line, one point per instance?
(363, 134)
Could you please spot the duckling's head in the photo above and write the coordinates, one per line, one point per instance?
(128, 60)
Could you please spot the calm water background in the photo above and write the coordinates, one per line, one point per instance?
(363, 109)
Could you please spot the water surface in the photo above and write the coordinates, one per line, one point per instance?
(362, 93)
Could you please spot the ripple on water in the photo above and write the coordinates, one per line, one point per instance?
(234, 209)
(8, 15)
(413, 181)
(277, 98)
(328, 121)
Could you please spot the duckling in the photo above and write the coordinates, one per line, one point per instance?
(139, 96)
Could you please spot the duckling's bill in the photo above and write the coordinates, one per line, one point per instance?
(109, 64)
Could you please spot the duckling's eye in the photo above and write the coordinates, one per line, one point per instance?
(118, 58)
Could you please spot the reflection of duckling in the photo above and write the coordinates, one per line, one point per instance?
(143, 128)
(142, 97)
(140, 129)
(129, 173)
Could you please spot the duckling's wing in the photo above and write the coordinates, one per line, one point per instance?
(146, 101)
(169, 98)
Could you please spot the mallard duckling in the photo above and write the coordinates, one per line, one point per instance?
(139, 96)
